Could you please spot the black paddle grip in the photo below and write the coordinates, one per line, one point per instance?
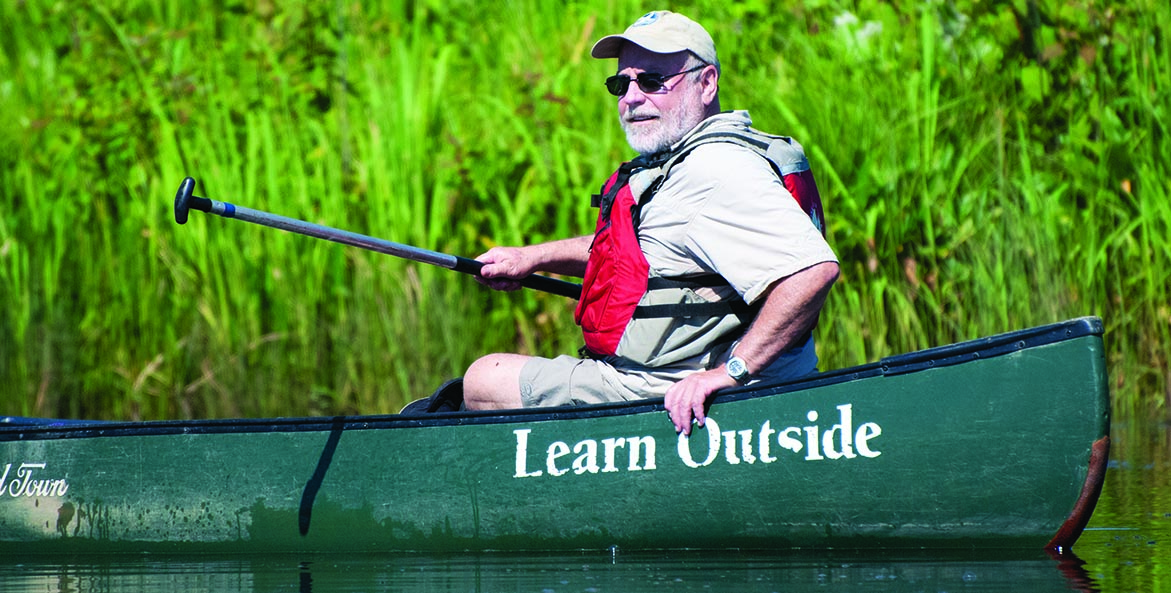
(184, 201)
(541, 283)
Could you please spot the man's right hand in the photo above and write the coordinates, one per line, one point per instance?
(504, 266)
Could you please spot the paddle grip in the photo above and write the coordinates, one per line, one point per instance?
(184, 201)
(467, 266)
(541, 283)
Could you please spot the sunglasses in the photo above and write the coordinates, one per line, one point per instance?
(648, 82)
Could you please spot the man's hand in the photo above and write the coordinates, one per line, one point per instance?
(686, 399)
(790, 310)
(504, 266)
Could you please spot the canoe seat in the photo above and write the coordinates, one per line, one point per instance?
(448, 398)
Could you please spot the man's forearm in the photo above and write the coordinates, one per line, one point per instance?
(790, 310)
(566, 256)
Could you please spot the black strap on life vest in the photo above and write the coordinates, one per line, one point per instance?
(735, 306)
(604, 200)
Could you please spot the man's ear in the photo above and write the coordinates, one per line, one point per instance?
(709, 79)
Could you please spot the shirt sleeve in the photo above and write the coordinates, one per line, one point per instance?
(748, 228)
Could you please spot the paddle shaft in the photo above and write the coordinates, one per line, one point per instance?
(184, 200)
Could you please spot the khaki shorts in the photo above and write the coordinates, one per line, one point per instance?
(567, 380)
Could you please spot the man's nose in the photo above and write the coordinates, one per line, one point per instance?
(633, 95)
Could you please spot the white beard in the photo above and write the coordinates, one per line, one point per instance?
(670, 128)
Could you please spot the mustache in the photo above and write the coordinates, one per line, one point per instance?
(634, 114)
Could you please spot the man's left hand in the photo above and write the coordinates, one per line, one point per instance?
(686, 399)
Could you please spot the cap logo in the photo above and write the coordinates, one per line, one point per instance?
(646, 19)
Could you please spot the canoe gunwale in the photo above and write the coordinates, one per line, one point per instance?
(21, 429)
(991, 346)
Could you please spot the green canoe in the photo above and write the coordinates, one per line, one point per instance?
(999, 443)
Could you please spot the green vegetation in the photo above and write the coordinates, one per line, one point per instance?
(985, 167)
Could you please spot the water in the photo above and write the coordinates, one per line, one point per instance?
(1127, 545)
(555, 574)
(1127, 548)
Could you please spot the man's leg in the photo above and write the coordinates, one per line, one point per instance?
(493, 382)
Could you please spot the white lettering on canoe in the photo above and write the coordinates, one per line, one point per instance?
(640, 455)
(522, 454)
(739, 447)
(839, 442)
(27, 482)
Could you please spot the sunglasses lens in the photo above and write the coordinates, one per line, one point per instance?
(617, 85)
(650, 83)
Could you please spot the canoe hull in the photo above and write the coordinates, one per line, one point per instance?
(983, 444)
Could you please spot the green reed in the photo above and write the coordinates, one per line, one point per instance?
(977, 180)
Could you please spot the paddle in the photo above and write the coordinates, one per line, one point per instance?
(184, 201)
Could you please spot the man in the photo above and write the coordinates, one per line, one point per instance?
(738, 268)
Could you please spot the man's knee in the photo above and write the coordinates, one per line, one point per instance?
(492, 382)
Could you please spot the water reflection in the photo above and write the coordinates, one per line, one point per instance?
(585, 573)
(1076, 576)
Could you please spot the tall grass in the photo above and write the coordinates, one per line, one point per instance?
(983, 169)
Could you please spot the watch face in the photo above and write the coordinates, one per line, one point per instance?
(737, 369)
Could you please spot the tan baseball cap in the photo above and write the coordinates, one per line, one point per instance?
(662, 32)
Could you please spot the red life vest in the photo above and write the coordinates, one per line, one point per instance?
(616, 275)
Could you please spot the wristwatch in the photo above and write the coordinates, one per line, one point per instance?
(738, 370)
